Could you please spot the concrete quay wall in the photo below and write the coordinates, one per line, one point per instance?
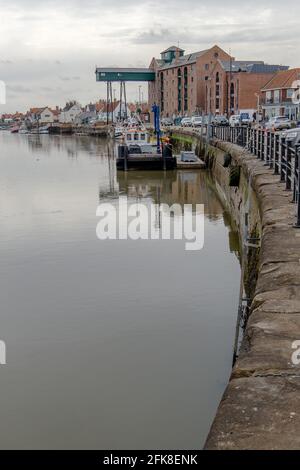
(260, 408)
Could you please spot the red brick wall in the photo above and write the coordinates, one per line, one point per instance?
(196, 83)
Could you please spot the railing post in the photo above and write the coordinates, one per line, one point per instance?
(262, 149)
(281, 159)
(288, 167)
(268, 147)
(297, 176)
(272, 146)
(294, 174)
(276, 154)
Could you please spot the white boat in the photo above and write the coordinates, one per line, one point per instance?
(23, 129)
(40, 130)
(119, 132)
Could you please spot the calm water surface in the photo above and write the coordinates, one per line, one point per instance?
(112, 344)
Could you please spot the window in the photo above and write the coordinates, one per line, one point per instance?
(290, 93)
(276, 96)
(128, 137)
(232, 92)
(206, 66)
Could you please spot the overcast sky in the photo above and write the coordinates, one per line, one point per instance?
(49, 48)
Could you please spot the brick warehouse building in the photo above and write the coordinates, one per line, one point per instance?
(234, 86)
(180, 85)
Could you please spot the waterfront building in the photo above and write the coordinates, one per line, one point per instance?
(43, 115)
(180, 80)
(280, 95)
(69, 113)
(234, 86)
(115, 111)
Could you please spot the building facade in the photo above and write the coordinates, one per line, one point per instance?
(69, 113)
(280, 95)
(180, 80)
(114, 111)
(235, 86)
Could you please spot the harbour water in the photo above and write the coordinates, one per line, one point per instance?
(110, 344)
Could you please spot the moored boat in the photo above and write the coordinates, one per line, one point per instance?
(145, 156)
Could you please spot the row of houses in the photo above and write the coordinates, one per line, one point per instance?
(73, 113)
(212, 81)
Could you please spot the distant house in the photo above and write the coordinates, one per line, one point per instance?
(41, 115)
(278, 95)
(18, 117)
(7, 118)
(88, 114)
(56, 113)
(133, 108)
(69, 113)
(144, 113)
(115, 111)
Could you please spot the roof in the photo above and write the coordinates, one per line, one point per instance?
(70, 105)
(37, 110)
(99, 106)
(172, 48)
(283, 79)
(250, 66)
(122, 70)
(111, 107)
(184, 60)
(239, 65)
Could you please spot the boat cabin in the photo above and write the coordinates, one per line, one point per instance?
(136, 136)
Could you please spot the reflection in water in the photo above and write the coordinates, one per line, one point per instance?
(115, 344)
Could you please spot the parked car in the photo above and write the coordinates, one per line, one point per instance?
(220, 121)
(292, 136)
(245, 119)
(196, 121)
(278, 123)
(167, 122)
(234, 120)
(186, 122)
(177, 121)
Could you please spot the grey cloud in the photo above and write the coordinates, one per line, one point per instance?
(68, 79)
(263, 30)
(19, 89)
(48, 89)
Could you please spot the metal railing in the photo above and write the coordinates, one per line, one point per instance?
(272, 149)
